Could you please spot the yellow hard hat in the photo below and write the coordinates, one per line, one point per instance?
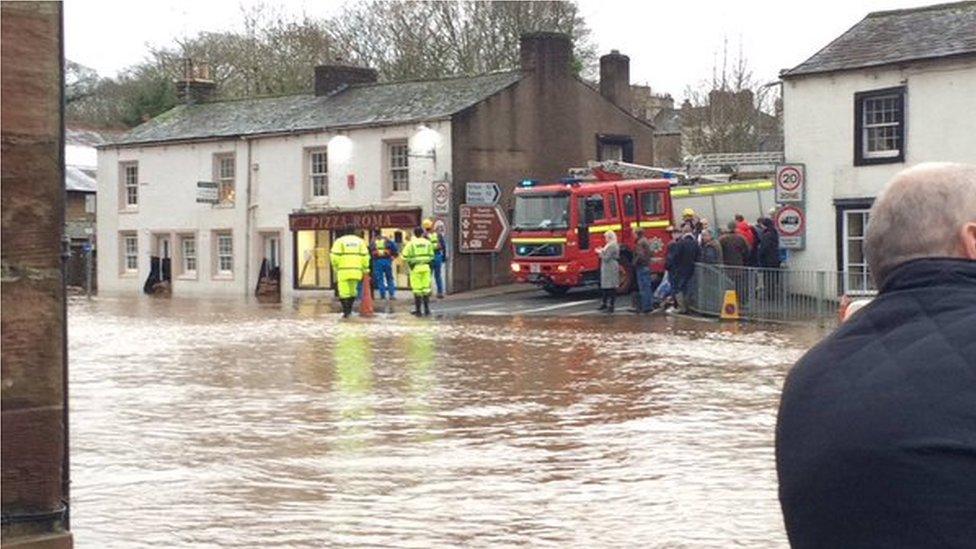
(688, 212)
(428, 223)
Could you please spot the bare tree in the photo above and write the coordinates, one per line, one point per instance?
(730, 111)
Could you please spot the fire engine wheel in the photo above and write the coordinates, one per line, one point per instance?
(554, 289)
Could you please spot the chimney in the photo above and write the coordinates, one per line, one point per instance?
(195, 86)
(332, 78)
(548, 54)
(615, 79)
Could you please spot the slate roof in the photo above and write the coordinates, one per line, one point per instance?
(897, 36)
(357, 105)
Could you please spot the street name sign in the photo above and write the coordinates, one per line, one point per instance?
(442, 197)
(208, 192)
(483, 229)
(482, 194)
(790, 183)
(792, 225)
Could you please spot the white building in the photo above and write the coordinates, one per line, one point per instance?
(897, 89)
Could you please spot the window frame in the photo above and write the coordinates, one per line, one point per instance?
(217, 255)
(658, 201)
(128, 188)
(184, 270)
(312, 174)
(392, 170)
(841, 208)
(862, 157)
(222, 181)
(625, 142)
(124, 238)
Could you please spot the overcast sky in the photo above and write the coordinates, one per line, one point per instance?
(670, 44)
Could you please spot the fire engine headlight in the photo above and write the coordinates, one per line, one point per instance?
(562, 268)
(516, 267)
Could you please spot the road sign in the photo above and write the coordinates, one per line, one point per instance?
(208, 192)
(482, 194)
(790, 183)
(442, 197)
(791, 225)
(483, 229)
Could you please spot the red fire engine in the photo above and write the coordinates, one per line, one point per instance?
(558, 227)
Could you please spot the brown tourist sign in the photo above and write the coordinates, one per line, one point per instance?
(365, 219)
(483, 229)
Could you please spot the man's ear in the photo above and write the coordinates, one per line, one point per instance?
(967, 240)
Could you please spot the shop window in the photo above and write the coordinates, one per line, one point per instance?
(318, 173)
(879, 119)
(129, 174)
(398, 154)
(130, 252)
(224, 174)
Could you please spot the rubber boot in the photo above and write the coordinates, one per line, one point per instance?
(416, 305)
(603, 300)
(612, 299)
(346, 308)
(426, 305)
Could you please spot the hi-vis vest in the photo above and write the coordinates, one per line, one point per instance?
(419, 251)
(435, 240)
(350, 257)
(380, 251)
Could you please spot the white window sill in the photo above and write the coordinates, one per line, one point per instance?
(224, 276)
(400, 196)
(224, 206)
(129, 210)
(187, 276)
(317, 202)
(129, 274)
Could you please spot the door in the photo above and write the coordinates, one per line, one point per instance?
(857, 278)
(272, 250)
(162, 246)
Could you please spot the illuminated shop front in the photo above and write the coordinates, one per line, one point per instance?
(314, 232)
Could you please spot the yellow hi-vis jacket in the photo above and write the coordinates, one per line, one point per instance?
(350, 257)
(419, 251)
(435, 240)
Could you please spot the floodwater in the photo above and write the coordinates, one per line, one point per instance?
(224, 423)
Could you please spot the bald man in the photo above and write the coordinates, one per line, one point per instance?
(876, 437)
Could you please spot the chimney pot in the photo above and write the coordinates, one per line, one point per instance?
(195, 85)
(332, 78)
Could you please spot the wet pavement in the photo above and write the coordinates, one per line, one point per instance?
(225, 423)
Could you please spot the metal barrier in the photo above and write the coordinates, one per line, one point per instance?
(778, 295)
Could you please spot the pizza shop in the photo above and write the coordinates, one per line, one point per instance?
(314, 232)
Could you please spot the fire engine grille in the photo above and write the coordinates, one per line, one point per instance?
(538, 250)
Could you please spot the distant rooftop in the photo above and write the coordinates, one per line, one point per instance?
(357, 105)
(886, 37)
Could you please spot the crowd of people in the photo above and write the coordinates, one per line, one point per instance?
(740, 245)
(353, 259)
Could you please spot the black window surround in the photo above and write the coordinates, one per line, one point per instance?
(625, 142)
(859, 99)
(841, 205)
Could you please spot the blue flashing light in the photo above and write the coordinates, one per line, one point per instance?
(525, 183)
(570, 181)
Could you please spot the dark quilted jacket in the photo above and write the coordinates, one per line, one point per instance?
(876, 438)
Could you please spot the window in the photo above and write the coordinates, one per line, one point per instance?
(591, 208)
(188, 254)
(652, 203)
(90, 203)
(399, 166)
(224, 171)
(629, 205)
(615, 147)
(318, 173)
(130, 184)
(225, 254)
(130, 252)
(879, 126)
(613, 205)
(857, 277)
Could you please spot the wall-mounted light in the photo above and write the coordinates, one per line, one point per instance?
(340, 148)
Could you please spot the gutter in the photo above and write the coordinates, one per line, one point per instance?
(248, 209)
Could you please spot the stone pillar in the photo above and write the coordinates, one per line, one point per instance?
(34, 389)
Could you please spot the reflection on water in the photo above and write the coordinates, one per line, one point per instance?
(233, 424)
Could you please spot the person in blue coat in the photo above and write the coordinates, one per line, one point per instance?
(876, 434)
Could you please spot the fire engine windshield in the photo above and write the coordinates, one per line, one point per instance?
(541, 211)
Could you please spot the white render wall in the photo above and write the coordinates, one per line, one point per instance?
(819, 132)
(168, 176)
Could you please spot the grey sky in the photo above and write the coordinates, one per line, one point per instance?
(670, 44)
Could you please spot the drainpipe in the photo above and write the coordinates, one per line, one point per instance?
(247, 223)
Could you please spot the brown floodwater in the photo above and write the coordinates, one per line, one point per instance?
(225, 423)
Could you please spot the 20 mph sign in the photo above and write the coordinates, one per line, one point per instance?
(790, 183)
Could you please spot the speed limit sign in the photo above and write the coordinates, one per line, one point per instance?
(790, 183)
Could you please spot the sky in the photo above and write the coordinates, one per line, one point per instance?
(671, 44)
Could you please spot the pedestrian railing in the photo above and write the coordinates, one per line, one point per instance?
(770, 294)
